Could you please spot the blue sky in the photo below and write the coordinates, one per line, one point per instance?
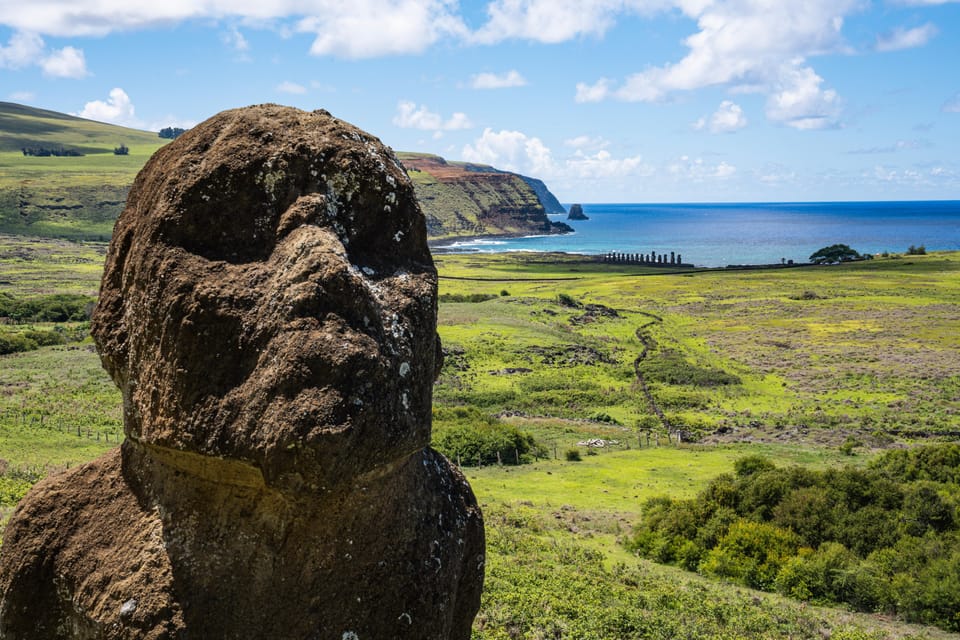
(606, 100)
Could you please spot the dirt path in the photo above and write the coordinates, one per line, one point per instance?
(648, 343)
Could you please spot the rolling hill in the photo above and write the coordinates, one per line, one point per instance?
(79, 196)
(75, 197)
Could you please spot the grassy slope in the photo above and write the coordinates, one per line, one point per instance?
(874, 354)
(80, 197)
(554, 566)
(72, 197)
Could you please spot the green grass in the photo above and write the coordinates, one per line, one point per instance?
(875, 354)
(66, 197)
(79, 198)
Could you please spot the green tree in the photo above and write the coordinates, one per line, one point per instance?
(834, 253)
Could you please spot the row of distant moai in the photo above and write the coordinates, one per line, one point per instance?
(652, 258)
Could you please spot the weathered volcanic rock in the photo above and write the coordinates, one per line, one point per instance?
(268, 310)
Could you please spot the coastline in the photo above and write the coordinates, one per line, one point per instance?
(448, 244)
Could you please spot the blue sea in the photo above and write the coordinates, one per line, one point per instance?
(715, 235)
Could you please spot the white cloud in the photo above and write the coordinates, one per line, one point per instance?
(359, 29)
(65, 63)
(291, 87)
(22, 96)
(410, 116)
(593, 92)
(726, 119)
(899, 145)
(587, 142)
(28, 49)
(690, 169)
(516, 151)
(512, 151)
(775, 175)
(901, 38)
(556, 20)
(511, 78)
(22, 50)
(236, 41)
(799, 102)
(952, 105)
(602, 165)
(118, 109)
(753, 45)
(370, 28)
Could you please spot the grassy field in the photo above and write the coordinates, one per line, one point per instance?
(788, 363)
(80, 197)
(68, 197)
(814, 354)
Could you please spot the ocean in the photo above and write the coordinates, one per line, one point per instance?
(716, 235)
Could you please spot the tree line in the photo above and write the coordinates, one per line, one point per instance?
(881, 539)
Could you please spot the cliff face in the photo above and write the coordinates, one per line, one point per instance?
(462, 199)
(547, 199)
(81, 197)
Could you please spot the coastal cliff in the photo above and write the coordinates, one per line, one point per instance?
(466, 199)
(78, 190)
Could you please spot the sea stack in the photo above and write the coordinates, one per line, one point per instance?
(268, 311)
(576, 213)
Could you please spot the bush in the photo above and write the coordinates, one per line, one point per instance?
(566, 300)
(474, 440)
(572, 455)
(15, 343)
(917, 251)
(749, 465)
(49, 308)
(751, 553)
(882, 538)
(45, 338)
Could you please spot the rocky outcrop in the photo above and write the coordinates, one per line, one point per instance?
(465, 199)
(268, 311)
(576, 213)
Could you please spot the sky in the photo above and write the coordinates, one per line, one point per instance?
(605, 100)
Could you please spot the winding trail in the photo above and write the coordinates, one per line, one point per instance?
(648, 343)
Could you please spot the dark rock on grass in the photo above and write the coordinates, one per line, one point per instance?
(268, 311)
(594, 312)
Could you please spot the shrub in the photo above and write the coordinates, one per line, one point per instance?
(566, 300)
(48, 308)
(749, 465)
(917, 251)
(44, 338)
(600, 416)
(848, 445)
(474, 440)
(751, 553)
(572, 455)
(15, 343)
